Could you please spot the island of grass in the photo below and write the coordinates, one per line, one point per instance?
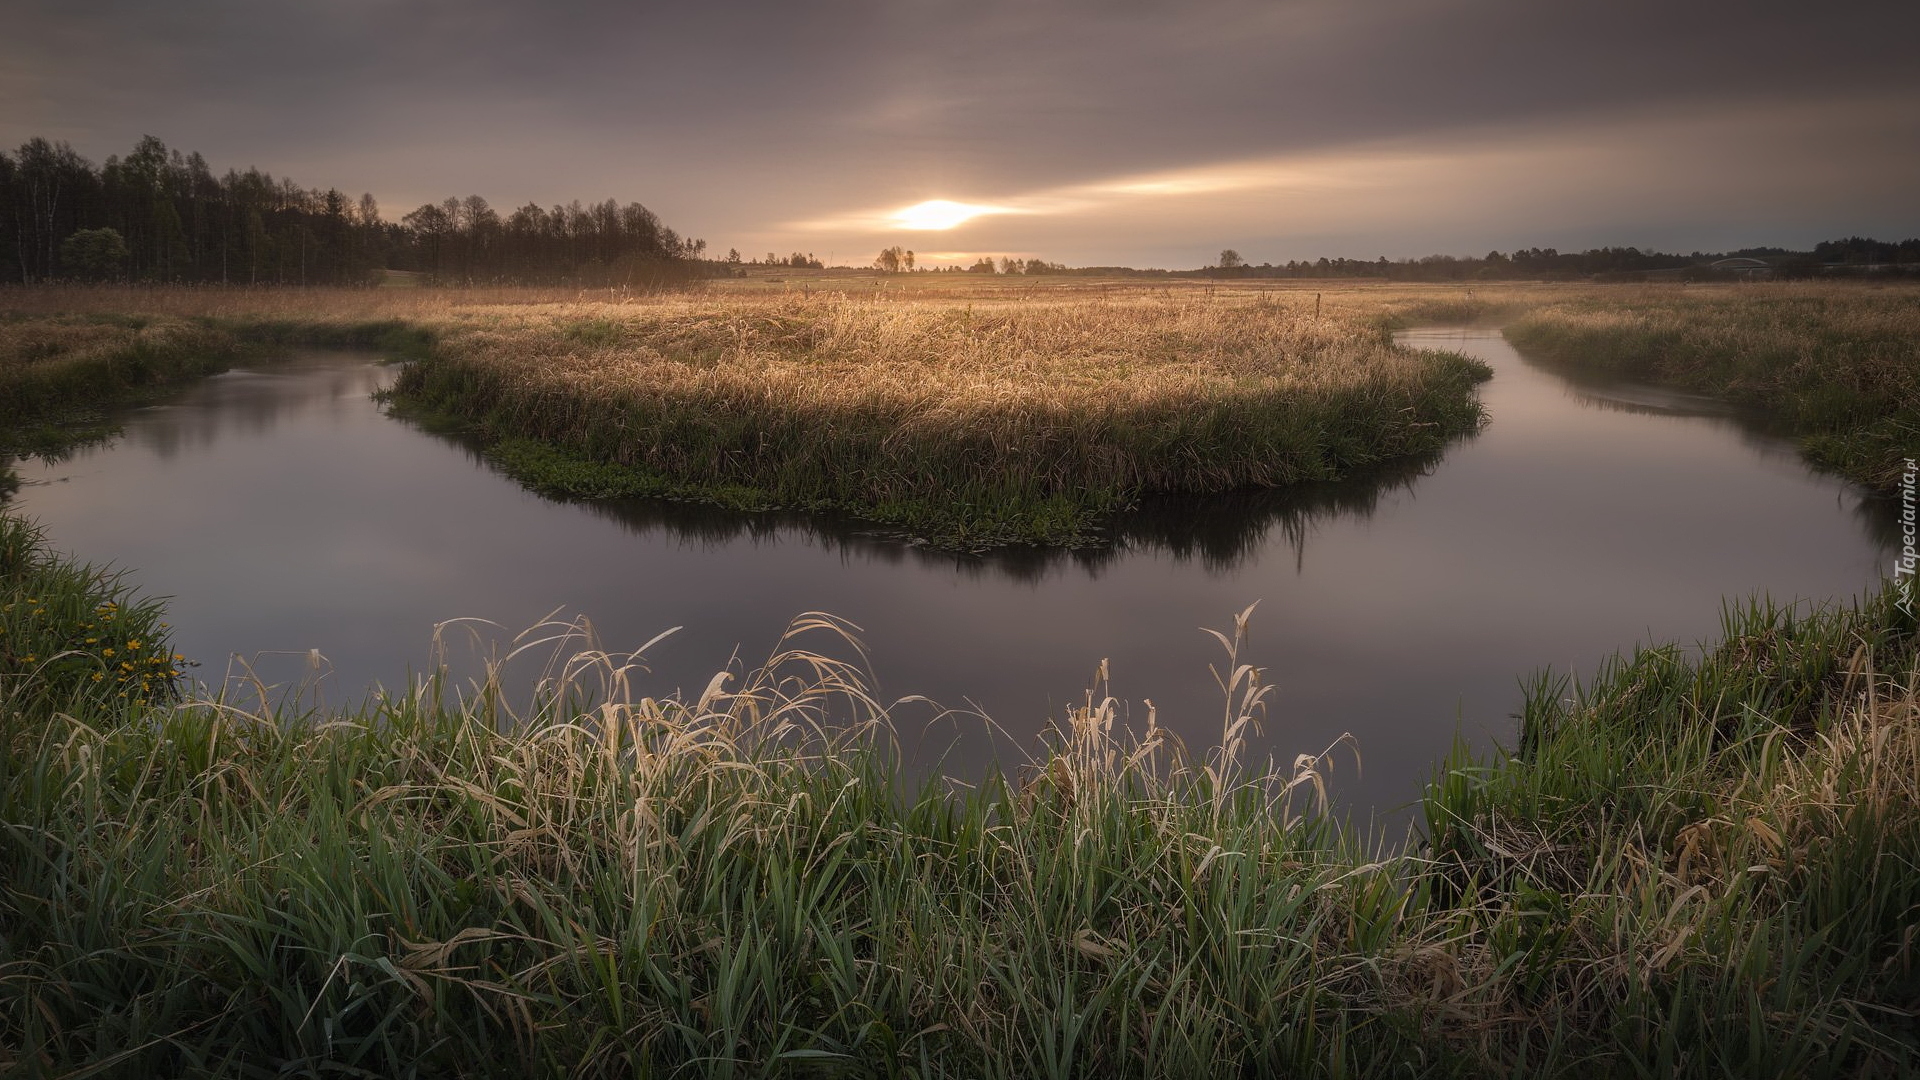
(967, 424)
(1838, 365)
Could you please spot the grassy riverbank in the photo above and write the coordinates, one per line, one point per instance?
(1694, 867)
(1839, 365)
(995, 421)
(63, 376)
(60, 376)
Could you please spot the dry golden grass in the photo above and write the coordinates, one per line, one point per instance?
(1001, 418)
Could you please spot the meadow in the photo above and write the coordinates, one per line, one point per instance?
(1693, 862)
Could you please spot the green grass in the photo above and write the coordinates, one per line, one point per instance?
(1703, 865)
(1839, 366)
(1690, 866)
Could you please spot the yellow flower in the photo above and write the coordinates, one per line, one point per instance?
(134, 643)
(108, 651)
(97, 676)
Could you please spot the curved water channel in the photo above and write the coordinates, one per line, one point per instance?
(285, 514)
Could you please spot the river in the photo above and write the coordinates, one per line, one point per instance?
(300, 531)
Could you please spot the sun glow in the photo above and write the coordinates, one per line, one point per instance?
(939, 214)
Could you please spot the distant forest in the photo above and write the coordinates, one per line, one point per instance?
(157, 215)
(1854, 256)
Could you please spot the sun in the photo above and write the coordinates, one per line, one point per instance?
(939, 214)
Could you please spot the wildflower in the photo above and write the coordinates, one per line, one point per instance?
(108, 651)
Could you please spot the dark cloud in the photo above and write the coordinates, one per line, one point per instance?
(733, 118)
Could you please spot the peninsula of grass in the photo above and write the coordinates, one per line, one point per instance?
(1837, 365)
(965, 424)
(1690, 866)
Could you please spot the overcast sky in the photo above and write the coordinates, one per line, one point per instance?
(1121, 132)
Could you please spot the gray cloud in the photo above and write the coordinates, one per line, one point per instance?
(733, 118)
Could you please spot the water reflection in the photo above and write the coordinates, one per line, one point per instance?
(1767, 437)
(1216, 531)
(251, 403)
(286, 514)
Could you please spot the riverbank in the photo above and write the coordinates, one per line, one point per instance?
(1691, 866)
(63, 377)
(1837, 365)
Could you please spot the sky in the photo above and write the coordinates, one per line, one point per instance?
(1123, 132)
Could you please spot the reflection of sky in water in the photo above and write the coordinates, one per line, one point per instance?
(283, 512)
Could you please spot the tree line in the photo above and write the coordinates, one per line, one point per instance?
(1852, 255)
(157, 215)
(898, 260)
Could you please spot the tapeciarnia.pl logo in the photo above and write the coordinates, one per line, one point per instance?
(1903, 566)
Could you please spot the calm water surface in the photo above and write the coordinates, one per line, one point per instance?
(284, 514)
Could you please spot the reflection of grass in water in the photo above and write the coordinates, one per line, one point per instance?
(1691, 868)
(63, 378)
(1838, 366)
(1219, 530)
